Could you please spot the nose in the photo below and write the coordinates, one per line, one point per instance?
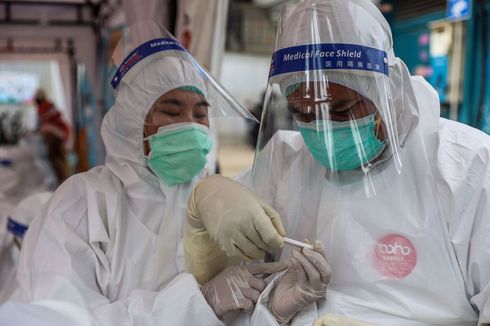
(186, 115)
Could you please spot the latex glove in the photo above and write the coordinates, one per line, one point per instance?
(238, 287)
(203, 257)
(305, 282)
(336, 320)
(234, 218)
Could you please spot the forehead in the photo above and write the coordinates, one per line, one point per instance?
(182, 95)
(177, 99)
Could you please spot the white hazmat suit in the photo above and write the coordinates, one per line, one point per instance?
(115, 231)
(408, 241)
(20, 176)
(17, 224)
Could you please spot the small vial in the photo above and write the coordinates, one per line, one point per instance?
(298, 244)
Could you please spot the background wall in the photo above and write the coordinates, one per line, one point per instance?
(245, 77)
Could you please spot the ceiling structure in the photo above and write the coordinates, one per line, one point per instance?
(57, 12)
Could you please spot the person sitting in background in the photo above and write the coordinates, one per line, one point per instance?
(55, 132)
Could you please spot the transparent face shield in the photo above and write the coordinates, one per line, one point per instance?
(152, 63)
(335, 95)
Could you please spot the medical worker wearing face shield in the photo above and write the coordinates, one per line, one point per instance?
(397, 195)
(114, 233)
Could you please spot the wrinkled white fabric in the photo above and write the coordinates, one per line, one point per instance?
(439, 203)
(30, 207)
(20, 176)
(47, 313)
(115, 231)
(24, 213)
(9, 257)
(50, 312)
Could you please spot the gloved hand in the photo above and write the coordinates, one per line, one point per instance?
(305, 282)
(237, 223)
(238, 287)
(203, 257)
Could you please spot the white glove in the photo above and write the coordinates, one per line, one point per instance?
(238, 287)
(236, 221)
(203, 257)
(305, 282)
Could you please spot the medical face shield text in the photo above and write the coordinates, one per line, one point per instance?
(333, 92)
(144, 50)
(178, 152)
(329, 57)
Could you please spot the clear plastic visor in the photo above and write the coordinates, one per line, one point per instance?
(152, 63)
(345, 121)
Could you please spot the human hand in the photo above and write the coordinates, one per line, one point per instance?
(305, 282)
(239, 222)
(238, 287)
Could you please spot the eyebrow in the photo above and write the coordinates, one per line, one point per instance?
(180, 103)
(202, 103)
(171, 101)
(341, 104)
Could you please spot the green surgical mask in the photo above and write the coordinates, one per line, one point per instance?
(178, 152)
(342, 146)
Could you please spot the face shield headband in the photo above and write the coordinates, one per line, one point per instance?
(347, 57)
(141, 52)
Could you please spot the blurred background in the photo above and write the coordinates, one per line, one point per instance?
(63, 47)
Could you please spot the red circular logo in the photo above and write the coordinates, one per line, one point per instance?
(394, 256)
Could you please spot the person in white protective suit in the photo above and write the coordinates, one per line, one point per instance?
(58, 312)
(17, 223)
(44, 313)
(397, 195)
(114, 232)
(8, 259)
(20, 176)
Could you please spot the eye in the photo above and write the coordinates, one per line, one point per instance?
(344, 109)
(201, 112)
(168, 110)
(302, 113)
(171, 114)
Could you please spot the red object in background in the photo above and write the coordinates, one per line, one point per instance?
(51, 121)
(186, 38)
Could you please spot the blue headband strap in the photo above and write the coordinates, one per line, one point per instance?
(144, 50)
(328, 57)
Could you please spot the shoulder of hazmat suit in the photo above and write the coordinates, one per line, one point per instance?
(114, 232)
(458, 157)
(416, 250)
(20, 176)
